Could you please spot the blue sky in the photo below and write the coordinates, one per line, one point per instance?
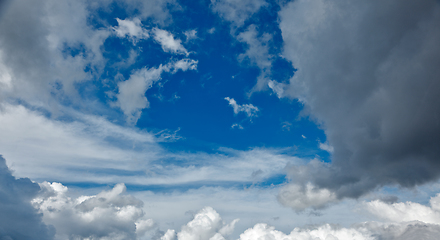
(168, 119)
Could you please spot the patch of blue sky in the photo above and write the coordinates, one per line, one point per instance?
(193, 102)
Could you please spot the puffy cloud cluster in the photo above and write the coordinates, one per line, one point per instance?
(408, 211)
(368, 74)
(107, 215)
(18, 219)
(207, 224)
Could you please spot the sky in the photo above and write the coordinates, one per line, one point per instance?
(219, 119)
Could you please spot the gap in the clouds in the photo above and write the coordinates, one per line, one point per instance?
(194, 101)
(170, 188)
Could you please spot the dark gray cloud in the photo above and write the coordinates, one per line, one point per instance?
(18, 219)
(368, 73)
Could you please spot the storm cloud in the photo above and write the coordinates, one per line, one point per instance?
(368, 74)
(19, 220)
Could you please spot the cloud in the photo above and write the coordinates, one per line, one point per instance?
(326, 147)
(368, 73)
(43, 148)
(406, 211)
(257, 53)
(236, 12)
(131, 29)
(249, 109)
(190, 34)
(18, 219)
(207, 224)
(277, 88)
(131, 93)
(108, 215)
(301, 197)
(168, 43)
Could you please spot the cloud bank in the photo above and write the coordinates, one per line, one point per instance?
(18, 219)
(368, 74)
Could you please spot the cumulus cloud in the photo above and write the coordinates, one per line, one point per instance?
(18, 219)
(168, 42)
(131, 29)
(406, 211)
(249, 109)
(108, 215)
(131, 93)
(207, 224)
(368, 73)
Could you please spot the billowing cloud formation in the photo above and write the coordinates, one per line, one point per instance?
(18, 219)
(107, 215)
(368, 72)
(249, 109)
(131, 95)
(207, 224)
(408, 211)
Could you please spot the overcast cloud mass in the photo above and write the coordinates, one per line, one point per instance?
(221, 119)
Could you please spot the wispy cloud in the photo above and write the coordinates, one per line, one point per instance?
(249, 109)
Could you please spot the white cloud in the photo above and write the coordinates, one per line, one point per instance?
(406, 211)
(277, 88)
(326, 147)
(324, 232)
(92, 149)
(236, 125)
(107, 215)
(207, 224)
(131, 28)
(41, 148)
(257, 53)
(168, 43)
(190, 34)
(249, 109)
(131, 93)
(185, 64)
